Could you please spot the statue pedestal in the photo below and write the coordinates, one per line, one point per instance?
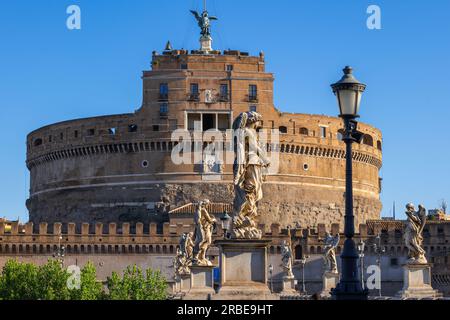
(417, 282)
(201, 283)
(206, 44)
(289, 286)
(243, 270)
(330, 281)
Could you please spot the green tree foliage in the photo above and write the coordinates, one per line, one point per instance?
(25, 281)
(19, 281)
(137, 285)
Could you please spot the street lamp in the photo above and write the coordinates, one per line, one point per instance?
(60, 252)
(361, 247)
(226, 224)
(303, 263)
(379, 250)
(271, 276)
(348, 91)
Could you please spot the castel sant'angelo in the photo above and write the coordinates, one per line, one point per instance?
(118, 168)
(108, 189)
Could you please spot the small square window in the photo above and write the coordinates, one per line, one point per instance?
(184, 66)
(229, 67)
(252, 108)
(155, 127)
(91, 132)
(163, 108)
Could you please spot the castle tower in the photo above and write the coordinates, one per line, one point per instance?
(119, 168)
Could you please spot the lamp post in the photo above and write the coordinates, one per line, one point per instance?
(271, 276)
(226, 221)
(348, 91)
(303, 263)
(379, 250)
(361, 247)
(60, 252)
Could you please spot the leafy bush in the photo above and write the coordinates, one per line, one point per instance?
(135, 285)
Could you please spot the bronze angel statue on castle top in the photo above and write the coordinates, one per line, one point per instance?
(204, 22)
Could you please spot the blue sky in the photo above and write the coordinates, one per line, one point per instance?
(50, 74)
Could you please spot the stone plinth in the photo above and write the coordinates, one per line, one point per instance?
(201, 283)
(330, 281)
(289, 286)
(417, 282)
(243, 270)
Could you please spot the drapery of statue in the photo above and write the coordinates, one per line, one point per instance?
(248, 170)
(413, 234)
(204, 224)
(329, 256)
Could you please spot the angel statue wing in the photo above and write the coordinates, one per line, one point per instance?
(213, 18)
(423, 217)
(196, 15)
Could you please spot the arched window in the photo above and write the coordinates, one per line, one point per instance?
(37, 142)
(283, 129)
(304, 131)
(379, 147)
(298, 252)
(368, 140)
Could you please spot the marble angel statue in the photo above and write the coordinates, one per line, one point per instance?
(250, 160)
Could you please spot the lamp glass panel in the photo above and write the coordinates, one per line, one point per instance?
(347, 100)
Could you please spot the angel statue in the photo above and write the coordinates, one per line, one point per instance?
(181, 264)
(250, 160)
(329, 255)
(413, 234)
(187, 245)
(204, 224)
(204, 22)
(286, 258)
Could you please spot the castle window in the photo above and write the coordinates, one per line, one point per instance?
(323, 132)
(252, 108)
(75, 133)
(38, 142)
(155, 127)
(91, 132)
(298, 252)
(132, 128)
(50, 138)
(61, 136)
(305, 167)
(229, 67)
(223, 92)
(194, 92)
(163, 108)
(304, 131)
(184, 66)
(112, 131)
(144, 164)
(283, 129)
(194, 88)
(163, 91)
(252, 92)
(379, 145)
(368, 140)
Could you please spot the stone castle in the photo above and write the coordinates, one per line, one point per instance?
(107, 190)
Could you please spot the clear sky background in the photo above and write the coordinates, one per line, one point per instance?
(49, 73)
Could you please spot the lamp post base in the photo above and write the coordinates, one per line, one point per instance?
(349, 291)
